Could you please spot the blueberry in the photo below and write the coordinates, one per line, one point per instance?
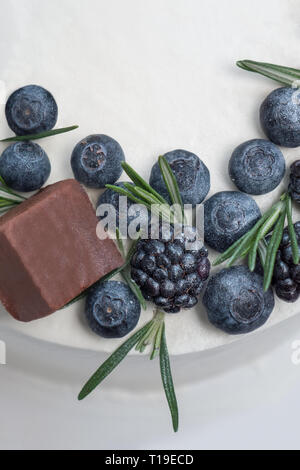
(126, 211)
(257, 166)
(280, 117)
(191, 174)
(236, 302)
(111, 309)
(227, 216)
(96, 161)
(24, 166)
(30, 110)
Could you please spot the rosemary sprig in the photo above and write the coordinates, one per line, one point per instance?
(285, 75)
(40, 135)
(154, 331)
(253, 242)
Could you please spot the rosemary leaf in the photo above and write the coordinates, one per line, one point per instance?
(166, 376)
(272, 251)
(128, 194)
(249, 235)
(262, 232)
(40, 135)
(262, 251)
(139, 181)
(294, 242)
(157, 342)
(284, 75)
(112, 362)
(120, 243)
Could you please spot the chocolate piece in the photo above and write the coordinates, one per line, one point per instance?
(50, 252)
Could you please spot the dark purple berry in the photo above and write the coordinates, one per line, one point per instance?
(160, 274)
(188, 262)
(175, 272)
(151, 287)
(148, 264)
(167, 288)
(174, 252)
(203, 268)
(154, 247)
(139, 276)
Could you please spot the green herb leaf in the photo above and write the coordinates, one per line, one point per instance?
(166, 376)
(128, 194)
(262, 232)
(262, 251)
(139, 181)
(272, 251)
(284, 75)
(134, 287)
(235, 248)
(292, 233)
(112, 362)
(170, 182)
(40, 135)
(120, 243)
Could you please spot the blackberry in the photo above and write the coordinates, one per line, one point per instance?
(171, 270)
(286, 277)
(294, 187)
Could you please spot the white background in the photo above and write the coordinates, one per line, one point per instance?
(156, 75)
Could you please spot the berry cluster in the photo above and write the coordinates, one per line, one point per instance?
(294, 187)
(171, 269)
(286, 277)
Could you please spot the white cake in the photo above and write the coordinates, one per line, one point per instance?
(156, 76)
